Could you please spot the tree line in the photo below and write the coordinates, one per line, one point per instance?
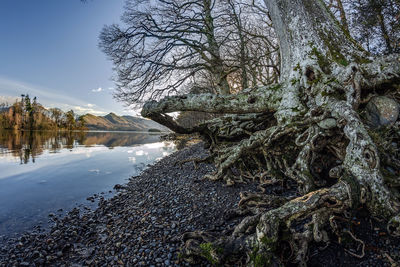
(29, 114)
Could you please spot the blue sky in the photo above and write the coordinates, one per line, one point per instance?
(48, 49)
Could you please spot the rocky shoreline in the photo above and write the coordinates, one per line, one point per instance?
(142, 224)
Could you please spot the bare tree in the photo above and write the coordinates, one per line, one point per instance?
(337, 6)
(168, 45)
(56, 115)
(253, 47)
(306, 129)
(373, 23)
(379, 21)
(165, 44)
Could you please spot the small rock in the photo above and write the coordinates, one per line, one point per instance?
(35, 254)
(56, 232)
(118, 187)
(327, 123)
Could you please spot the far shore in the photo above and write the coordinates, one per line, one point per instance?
(90, 130)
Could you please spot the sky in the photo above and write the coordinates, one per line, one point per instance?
(49, 49)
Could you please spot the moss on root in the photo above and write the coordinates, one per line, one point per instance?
(207, 250)
(322, 61)
(259, 259)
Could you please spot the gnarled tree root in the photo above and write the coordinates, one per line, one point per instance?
(317, 139)
(255, 239)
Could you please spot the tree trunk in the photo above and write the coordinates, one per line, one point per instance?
(382, 25)
(217, 66)
(343, 18)
(306, 129)
(342, 13)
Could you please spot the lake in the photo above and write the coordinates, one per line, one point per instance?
(48, 172)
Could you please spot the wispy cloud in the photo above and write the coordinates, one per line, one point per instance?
(84, 109)
(98, 90)
(16, 88)
(11, 89)
(8, 99)
(88, 109)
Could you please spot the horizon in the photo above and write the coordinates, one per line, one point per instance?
(61, 65)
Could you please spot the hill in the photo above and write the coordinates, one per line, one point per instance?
(113, 122)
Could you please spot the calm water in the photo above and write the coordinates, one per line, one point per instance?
(43, 172)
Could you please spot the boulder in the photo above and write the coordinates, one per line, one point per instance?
(381, 111)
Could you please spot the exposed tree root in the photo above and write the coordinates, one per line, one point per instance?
(361, 243)
(308, 135)
(256, 236)
(196, 161)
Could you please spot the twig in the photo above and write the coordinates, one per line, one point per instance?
(362, 243)
(392, 262)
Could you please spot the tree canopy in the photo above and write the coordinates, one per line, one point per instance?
(165, 47)
(373, 23)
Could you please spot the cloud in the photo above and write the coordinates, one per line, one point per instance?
(111, 88)
(132, 112)
(48, 97)
(12, 87)
(8, 99)
(87, 109)
(98, 90)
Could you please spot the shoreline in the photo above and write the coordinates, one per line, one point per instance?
(143, 223)
(140, 225)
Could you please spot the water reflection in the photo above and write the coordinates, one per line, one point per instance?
(42, 172)
(27, 146)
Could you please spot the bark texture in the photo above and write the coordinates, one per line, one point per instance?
(308, 130)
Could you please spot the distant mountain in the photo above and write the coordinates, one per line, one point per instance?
(114, 122)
